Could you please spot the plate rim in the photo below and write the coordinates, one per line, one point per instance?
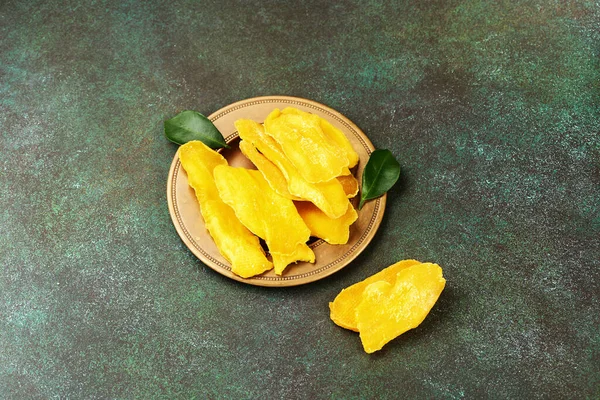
(279, 281)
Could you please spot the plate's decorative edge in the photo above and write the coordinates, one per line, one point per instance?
(258, 279)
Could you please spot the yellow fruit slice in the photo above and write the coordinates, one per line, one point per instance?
(235, 242)
(332, 133)
(388, 310)
(343, 307)
(269, 170)
(265, 213)
(317, 157)
(350, 185)
(333, 231)
(341, 140)
(329, 196)
(301, 253)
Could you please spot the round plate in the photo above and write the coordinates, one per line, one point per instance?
(188, 221)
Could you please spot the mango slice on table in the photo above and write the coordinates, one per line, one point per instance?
(235, 242)
(333, 231)
(329, 196)
(387, 310)
(317, 157)
(269, 170)
(265, 213)
(343, 307)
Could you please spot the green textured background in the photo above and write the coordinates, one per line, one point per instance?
(492, 108)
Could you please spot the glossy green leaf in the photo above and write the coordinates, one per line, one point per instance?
(191, 125)
(380, 174)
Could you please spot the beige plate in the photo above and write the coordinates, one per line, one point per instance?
(188, 221)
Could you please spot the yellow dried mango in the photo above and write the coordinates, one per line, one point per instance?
(334, 134)
(341, 140)
(268, 215)
(317, 157)
(350, 185)
(269, 170)
(333, 231)
(387, 310)
(301, 253)
(329, 196)
(343, 307)
(235, 242)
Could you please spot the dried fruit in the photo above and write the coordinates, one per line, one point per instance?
(387, 310)
(329, 196)
(235, 242)
(269, 170)
(267, 214)
(350, 185)
(317, 157)
(332, 133)
(241, 205)
(343, 307)
(338, 137)
(333, 231)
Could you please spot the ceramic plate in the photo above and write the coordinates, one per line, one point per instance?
(188, 221)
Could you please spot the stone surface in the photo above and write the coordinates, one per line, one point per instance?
(492, 108)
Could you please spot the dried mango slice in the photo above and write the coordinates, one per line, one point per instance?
(265, 213)
(329, 196)
(341, 140)
(317, 157)
(269, 170)
(301, 253)
(388, 310)
(332, 133)
(350, 185)
(343, 307)
(333, 231)
(235, 242)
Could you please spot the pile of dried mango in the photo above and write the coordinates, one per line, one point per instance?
(389, 303)
(301, 189)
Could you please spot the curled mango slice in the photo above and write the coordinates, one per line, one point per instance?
(269, 170)
(235, 242)
(350, 185)
(268, 215)
(388, 310)
(315, 155)
(301, 253)
(333, 231)
(329, 196)
(343, 307)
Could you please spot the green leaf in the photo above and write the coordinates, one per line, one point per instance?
(191, 125)
(380, 174)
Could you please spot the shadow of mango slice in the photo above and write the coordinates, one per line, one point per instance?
(387, 310)
(343, 307)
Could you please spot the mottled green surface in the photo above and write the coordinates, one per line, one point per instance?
(492, 107)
